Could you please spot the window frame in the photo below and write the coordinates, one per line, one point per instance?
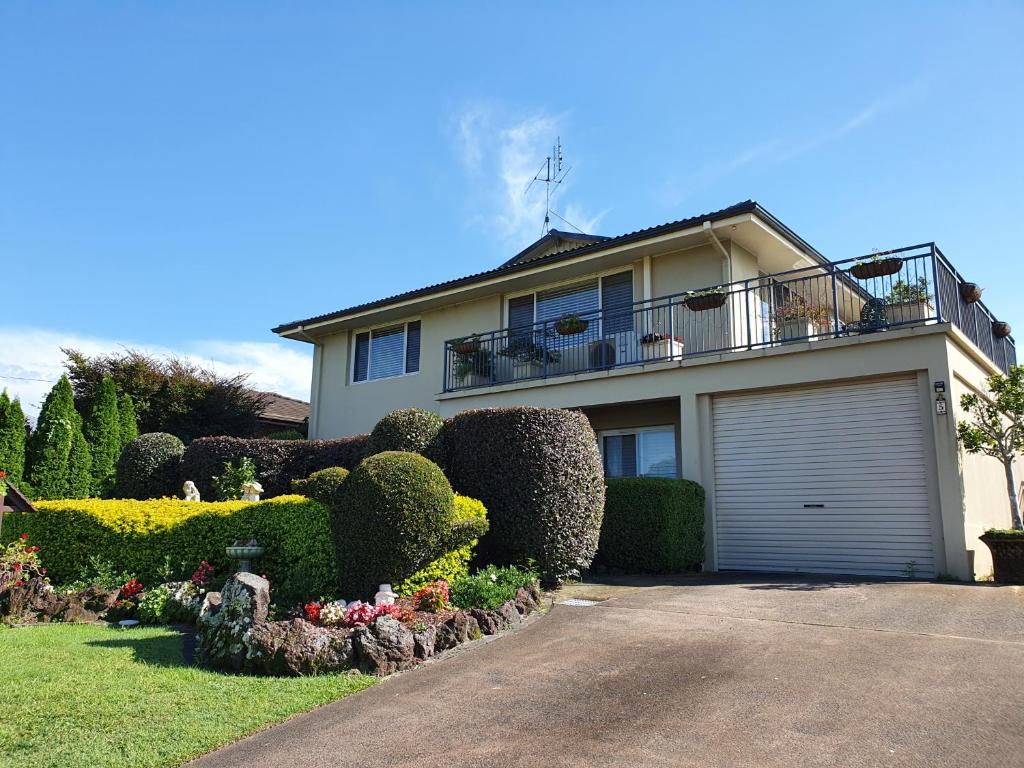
(602, 434)
(355, 333)
(600, 276)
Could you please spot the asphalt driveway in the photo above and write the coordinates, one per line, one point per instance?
(712, 672)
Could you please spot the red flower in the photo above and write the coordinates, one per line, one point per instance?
(2, 474)
(24, 537)
(17, 567)
(131, 589)
(312, 612)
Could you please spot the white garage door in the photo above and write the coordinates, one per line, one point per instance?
(823, 480)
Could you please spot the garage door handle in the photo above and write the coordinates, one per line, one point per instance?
(814, 506)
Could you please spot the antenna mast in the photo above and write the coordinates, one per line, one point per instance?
(550, 175)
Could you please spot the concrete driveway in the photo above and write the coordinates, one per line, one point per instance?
(710, 672)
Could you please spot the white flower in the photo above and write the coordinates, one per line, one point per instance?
(494, 578)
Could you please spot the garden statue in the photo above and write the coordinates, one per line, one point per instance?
(251, 491)
(385, 596)
(190, 491)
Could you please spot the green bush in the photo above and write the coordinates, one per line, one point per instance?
(286, 434)
(652, 524)
(136, 537)
(129, 423)
(102, 430)
(50, 449)
(539, 473)
(228, 485)
(490, 587)
(322, 485)
(410, 429)
(149, 467)
(451, 565)
(79, 476)
(394, 514)
(12, 438)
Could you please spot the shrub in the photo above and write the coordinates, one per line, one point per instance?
(538, 471)
(12, 438)
(410, 429)
(236, 475)
(322, 485)
(129, 424)
(652, 524)
(135, 537)
(149, 467)
(453, 564)
(286, 434)
(49, 449)
(278, 462)
(102, 430)
(79, 475)
(394, 514)
(490, 587)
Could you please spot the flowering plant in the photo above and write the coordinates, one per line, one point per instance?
(359, 614)
(19, 563)
(202, 574)
(432, 598)
(332, 614)
(131, 589)
(311, 612)
(3, 487)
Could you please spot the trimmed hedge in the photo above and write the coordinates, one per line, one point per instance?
(539, 473)
(148, 467)
(410, 429)
(278, 462)
(652, 524)
(393, 515)
(323, 485)
(135, 536)
(454, 564)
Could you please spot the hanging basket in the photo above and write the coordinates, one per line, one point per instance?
(880, 268)
(571, 327)
(705, 301)
(970, 292)
(467, 347)
(1001, 330)
(1007, 556)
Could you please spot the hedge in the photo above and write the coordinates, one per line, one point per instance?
(652, 524)
(538, 471)
(135, 536)
(410, 429)
(148, 467)
(454, 564)
(278, 462)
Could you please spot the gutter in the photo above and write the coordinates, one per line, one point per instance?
(709, 231)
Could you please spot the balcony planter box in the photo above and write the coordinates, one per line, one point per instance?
(662, 349)
(796, 329)
(1001, 330)
(880, 268)
(705, 301)
(527, 369)
(909, 312)
(1007, 549)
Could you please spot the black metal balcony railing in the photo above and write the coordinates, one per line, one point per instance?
(907, 286)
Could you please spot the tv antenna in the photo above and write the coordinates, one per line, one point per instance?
(551, 174)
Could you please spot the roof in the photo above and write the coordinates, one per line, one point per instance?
(553, 239)
(281, 408)
(518, 264)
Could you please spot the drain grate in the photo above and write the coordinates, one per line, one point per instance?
(578, 602)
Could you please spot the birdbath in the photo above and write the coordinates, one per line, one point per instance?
(245, 552)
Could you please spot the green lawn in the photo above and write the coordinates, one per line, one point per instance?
(77, 695)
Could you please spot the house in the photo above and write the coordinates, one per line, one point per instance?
(280, 414)
(814, 400)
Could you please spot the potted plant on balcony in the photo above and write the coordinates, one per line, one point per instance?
(1001, 330)
(996, 428)
(571, 324)
(970, 292)
(473, 369)
(709, 298)
(797, 320)
(528, 357)
(908, 302)
(658, 346)
(879, 265)
(466, 345)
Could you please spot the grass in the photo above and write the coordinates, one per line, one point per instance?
(87, 695)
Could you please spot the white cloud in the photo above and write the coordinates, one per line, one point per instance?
(501, 156)
(32, 361)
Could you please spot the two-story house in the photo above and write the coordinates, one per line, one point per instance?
(814, 400)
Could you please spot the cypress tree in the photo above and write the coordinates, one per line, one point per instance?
(129, 421)
(12, 438)
(102, 431)
(50, 446)
(80, 481)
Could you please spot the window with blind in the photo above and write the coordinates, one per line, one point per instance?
(648, 452)
(387, 352)
(613, 294)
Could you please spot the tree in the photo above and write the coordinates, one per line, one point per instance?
(12, 438)
(129, 421)
(49, 449)
(996, 428)
(80, 482)
(172, 395)
(102, 431)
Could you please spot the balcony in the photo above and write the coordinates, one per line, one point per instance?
(900, 288)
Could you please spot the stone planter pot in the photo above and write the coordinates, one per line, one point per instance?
(705, 302)
(796, 329)
(880, 268)
(908, 312)
(1007, 556)
(527, 369)
(666, 349)
(474, 380)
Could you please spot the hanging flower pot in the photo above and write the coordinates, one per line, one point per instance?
(970, 292)
(866, 270)
(1001, 330)
(466, 346)
(570, 325)
(705, 300)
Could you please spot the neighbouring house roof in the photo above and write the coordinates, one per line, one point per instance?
(279, 408)
(524, 260)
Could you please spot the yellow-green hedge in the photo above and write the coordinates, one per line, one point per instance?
(453, 564)
(136, 536)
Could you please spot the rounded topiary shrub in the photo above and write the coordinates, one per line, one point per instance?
(149, 467)
(454, 564)
(394, 514)
(322, 485)
(410, 429)
(538, 471)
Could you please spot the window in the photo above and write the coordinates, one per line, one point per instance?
(646, 452)
(611, 293)
(386, 352)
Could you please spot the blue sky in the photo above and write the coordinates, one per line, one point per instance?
(183, 176)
